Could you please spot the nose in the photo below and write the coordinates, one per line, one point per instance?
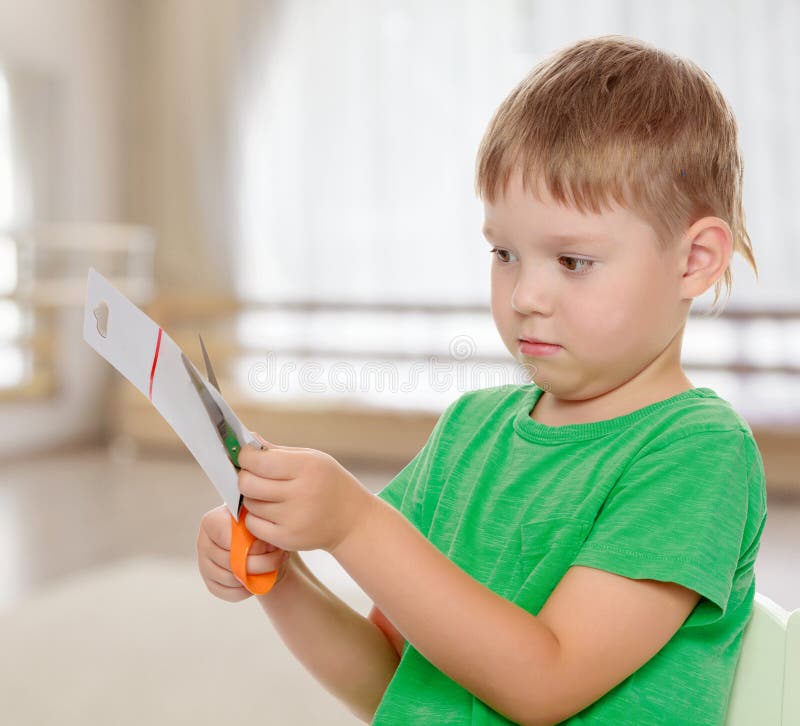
(532, 293)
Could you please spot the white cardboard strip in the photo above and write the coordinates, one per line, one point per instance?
(129, 345)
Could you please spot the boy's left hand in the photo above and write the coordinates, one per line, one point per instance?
(300, 499)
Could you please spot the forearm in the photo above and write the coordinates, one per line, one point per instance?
(343, 650)
(492, 647)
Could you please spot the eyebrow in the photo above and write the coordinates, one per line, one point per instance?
(558, 238)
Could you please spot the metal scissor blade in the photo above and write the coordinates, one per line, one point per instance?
(212, 409)
(212, 379)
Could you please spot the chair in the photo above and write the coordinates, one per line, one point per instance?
(766, 685)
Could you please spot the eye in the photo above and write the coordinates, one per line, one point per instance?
(573, 264)
(498, 252)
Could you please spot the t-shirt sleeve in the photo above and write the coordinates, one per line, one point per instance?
(680, 514)
(406, 491)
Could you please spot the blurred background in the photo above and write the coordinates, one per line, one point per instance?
(294, 181)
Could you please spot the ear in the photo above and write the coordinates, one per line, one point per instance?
(708, 248)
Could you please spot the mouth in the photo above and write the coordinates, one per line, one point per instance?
(536, 341)
(537, 348)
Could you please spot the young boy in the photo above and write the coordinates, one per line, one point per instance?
(579, 549)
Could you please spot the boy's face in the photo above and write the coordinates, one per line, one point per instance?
(609, 297)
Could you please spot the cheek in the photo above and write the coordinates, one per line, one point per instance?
(625, 320)
(504, 316)
(606, 323)
(500, 298)
(606, 320)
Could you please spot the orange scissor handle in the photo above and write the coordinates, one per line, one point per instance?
(241, 542)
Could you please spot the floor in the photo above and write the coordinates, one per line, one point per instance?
(64, 514)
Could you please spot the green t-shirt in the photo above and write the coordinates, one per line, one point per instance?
(674, 492)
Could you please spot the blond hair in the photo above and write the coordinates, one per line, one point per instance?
(613, 117)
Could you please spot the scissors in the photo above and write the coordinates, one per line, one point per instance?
(241, 538)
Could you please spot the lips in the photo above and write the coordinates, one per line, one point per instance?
(536, 340)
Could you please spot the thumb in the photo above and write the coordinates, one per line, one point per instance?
(264, 443)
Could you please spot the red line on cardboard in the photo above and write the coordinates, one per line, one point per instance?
(155, 361)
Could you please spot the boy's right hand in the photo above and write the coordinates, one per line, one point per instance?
(214, 557)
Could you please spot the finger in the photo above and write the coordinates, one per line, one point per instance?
(216, 530)
(220, 574)
(261, 489)
(260, 564)
(222, 557)
(264, 443)
(261, 557)
(279, 463)
(214, 553)
(260, 509)
(216, 525)
(261, 528)
(230, 594)
(262, 548)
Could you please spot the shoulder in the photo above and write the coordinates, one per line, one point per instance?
(699, 440)
(700, 414)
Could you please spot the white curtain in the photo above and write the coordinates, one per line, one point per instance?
(360, 131)
(189, 64)
(323, 151)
